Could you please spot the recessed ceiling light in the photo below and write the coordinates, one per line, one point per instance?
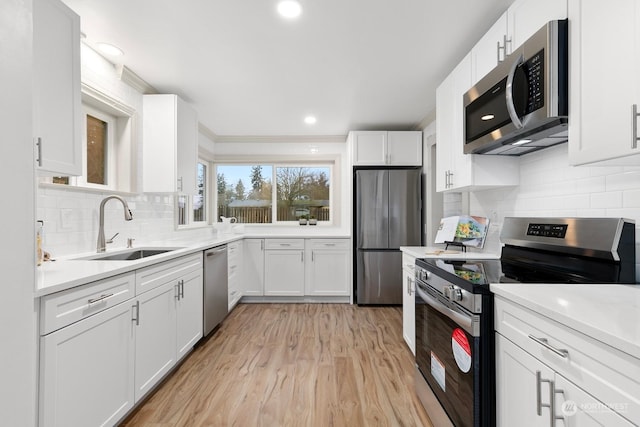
(109, 49)
(310, 120)
(289, 9)
(522, 141)
(487, 117)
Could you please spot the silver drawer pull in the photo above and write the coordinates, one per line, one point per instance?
(545, 343)
(285, 244)
(100, 298)
(329, 244)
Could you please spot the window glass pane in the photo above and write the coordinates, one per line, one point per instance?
(200, 199)
(182, 210)
(60, 180)
(96, 150)
(303, 192)
(244, 192)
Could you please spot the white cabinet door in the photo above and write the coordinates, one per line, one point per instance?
(328, 268)
(404, 148)
(189, 312)
(517, 387)
(489, 50)
(605, 42)
(170, 148)
(408, 307)
(528, 16)
(445, 110)
(86, 370)
(155, 336)
(368, 148)
(253, 268)
(577, 408)
(56, 79)
(284, 272)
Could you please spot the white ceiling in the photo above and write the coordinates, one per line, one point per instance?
(354, 64)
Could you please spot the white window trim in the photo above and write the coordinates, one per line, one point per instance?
(274, 193)
(209, 194)
(111, 172)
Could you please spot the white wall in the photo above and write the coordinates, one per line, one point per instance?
(17, 253)
(550, 187)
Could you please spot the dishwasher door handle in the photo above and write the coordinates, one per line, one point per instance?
(216, 252)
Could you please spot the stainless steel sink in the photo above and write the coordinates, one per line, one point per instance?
(129, 255)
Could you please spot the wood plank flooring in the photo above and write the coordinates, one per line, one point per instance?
(293, 365)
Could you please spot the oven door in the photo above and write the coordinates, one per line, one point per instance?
(448, 354)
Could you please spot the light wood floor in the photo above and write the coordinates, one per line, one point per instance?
(293, 365)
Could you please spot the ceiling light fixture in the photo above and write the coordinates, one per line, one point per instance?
(487, 117)
(109, 49)
(289, 9)
(310, 120)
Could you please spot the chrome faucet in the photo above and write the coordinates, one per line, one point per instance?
(128, 216)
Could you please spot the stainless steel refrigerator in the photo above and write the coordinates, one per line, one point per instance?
(387, 215)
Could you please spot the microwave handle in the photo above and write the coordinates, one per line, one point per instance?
(511, 108)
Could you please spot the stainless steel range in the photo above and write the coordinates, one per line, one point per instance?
(455, 355)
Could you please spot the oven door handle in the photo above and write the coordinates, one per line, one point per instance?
(461, 319)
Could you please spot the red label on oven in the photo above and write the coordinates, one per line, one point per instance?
(461, 350)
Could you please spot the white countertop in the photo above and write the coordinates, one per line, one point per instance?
(68, 272)
(607, 313)
(433, 252)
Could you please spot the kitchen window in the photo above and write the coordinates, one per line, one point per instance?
(108, 146)
(274, 193)
(193, 210)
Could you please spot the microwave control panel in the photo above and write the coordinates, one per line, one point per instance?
(534, 70)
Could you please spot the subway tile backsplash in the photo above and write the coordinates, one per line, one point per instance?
(550, 187)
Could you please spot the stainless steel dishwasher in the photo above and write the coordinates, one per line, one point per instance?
(216, 293)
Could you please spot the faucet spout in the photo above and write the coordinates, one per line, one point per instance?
(128, 216)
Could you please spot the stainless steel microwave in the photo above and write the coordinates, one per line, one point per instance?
(521, 105)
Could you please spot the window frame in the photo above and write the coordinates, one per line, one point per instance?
(274, 193)
(208, 205)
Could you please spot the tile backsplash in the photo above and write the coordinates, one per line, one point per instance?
(550, 187)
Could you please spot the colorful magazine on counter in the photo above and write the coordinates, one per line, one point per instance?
(463, 230)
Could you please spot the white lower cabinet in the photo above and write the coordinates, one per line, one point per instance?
(409, 302)
(253, 267)
(235, 258)
(548, 374)
(155, 336)
(284, 267)
(328, 268)
(86, 370)
(99, 355)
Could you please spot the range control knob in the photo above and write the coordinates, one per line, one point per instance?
(455, 294)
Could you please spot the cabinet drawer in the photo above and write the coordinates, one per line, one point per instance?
(328, 243)
(66, 307)
(284, 244)
(408, 262)
(608, 374)
(234, 250)
(156, 275)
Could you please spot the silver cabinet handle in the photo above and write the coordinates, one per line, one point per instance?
(545, 343)
(262, 245)
(634, 121)
(409, 283)
(506, 42)
(136, 318)
(100, 298)
(285, 244)
(330, 244)
(450, 179)
(498, 52)
(511, 107)
(551, 405)
(176, 288)
(180, 184)
(39, 151)
(312, 256)
(301, 256)
(182, 288)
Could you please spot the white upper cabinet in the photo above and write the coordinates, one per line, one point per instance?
(513, 28)
(456, 171)
(489, 50)
(380, 148)
(170, 145)
(604, 42)
(56, 89)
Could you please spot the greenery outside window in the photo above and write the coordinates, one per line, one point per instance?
(247, 192)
